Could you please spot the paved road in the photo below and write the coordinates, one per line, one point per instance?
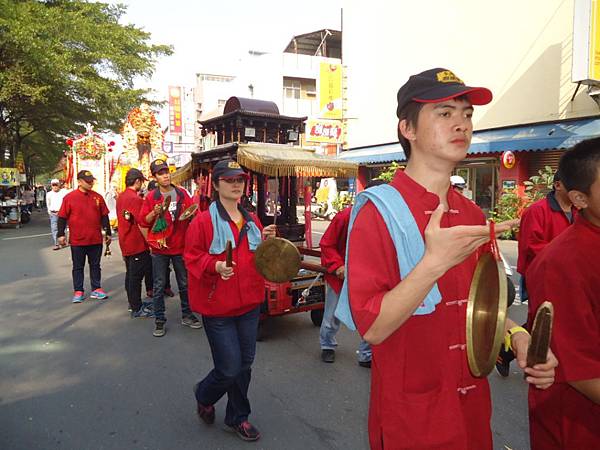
(88, 377)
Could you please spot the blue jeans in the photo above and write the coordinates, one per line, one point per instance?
(78, 254)
(233, 346)
(54, 227)
(331, 325)
(160, 264)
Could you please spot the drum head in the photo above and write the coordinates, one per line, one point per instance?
(486, 315)
(277, 260)
(189, 212)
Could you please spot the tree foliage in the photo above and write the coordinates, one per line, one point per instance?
(64, 63)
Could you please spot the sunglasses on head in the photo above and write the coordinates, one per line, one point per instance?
(234, 180)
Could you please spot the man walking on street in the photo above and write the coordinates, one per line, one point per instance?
(87, 215)
(138, 264)
(54, 199)
(167, 247)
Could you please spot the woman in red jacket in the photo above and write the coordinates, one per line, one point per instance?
(228, 298)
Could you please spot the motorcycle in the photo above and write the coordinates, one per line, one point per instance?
(322, 210)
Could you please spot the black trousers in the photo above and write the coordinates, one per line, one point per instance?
(138, 267)
(78, 255)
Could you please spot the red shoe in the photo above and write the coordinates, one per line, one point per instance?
(246, 431)
(206, 413)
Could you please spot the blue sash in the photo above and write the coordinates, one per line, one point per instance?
(407, 240)
(222, 232)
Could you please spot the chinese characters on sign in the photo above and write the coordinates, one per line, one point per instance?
(330, 91)
(327, 131)
(175, 110)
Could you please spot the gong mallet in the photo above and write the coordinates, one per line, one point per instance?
(228, 254)
(541, 333)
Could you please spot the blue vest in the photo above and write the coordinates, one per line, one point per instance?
(407, 240)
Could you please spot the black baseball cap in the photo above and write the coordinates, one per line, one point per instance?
(227, 168)
(158, 165)
(86, 176)
(133, 175)
(437, 85)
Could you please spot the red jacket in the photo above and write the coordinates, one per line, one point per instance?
(209, 294)
(131, 239)
(567, 273)
(333, 248)
(83, 212)
(540, 223)
(176, 229)
(422, 392)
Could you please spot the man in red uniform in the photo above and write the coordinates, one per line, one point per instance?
(333, 257)
(541, 222)
(87, 215)
(567, 273)
(134, 248)
(422, 392)
(171, 250)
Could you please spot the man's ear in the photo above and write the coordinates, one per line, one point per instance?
(406, 130)
(579, 199)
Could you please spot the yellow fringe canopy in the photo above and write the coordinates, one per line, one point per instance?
(281, 161)
(182, 174)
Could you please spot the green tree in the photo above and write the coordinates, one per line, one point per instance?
(63, 64)
(388, 174)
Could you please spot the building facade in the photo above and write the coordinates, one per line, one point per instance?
(522, 51)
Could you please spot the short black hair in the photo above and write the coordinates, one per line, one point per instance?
(410, 113)
(580, 165)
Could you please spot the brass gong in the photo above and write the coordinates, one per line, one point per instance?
(189, 212)
(277, 259)
(486, 314)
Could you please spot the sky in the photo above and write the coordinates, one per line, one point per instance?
(210, 36)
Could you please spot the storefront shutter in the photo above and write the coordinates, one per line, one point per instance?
(537, 160)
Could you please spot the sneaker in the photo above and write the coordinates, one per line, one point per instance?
(246, 431)
(143, 313)
(365, 364)
(159, 329)
(169, 292)
(78, 297)
(206, 413)
(328, 355)
(503, 362)
(99, 294)
(191, 321)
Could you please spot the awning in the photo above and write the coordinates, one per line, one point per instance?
(374, 154)
(182, 174)
(279, 160)
(547, 136)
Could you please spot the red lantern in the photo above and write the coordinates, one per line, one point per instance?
(70, 142)
(110, 149)
(111, 143)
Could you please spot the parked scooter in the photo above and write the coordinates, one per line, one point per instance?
(322, 211)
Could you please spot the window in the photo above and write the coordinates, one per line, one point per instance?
(291, 87)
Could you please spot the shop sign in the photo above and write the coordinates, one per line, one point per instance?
(509, 159)
(586, 42)
(330, 91)
(9, 176)
(325, 131)
(175, 127)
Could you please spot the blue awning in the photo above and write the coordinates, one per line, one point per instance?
(375, 154)
(547, 136)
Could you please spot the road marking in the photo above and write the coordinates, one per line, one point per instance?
(26, 237)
